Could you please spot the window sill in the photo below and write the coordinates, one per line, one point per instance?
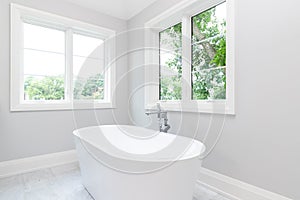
(211, 107)
(54, 106)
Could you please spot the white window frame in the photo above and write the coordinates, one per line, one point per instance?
(183, 13)
(20, 14)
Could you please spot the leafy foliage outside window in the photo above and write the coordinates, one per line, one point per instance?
(90, 88)
(208, 57)
(52, 88)
(45, 88)
(171, 63)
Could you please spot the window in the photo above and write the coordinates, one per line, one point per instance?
(195, 65)
(170, 63)
(88, 80)
(209, 54)
(44, 63)
(56, 62)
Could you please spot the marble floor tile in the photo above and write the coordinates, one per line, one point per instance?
(38, 179)
(63, 183)
(10, 182)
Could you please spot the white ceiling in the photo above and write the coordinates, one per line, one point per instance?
(123, 9)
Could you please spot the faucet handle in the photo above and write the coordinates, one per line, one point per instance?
(158, 106)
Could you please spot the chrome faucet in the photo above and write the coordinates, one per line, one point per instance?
(161, 115)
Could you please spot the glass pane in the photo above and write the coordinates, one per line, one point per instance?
(88, 67)
(91, 88)
(87, 46)
(88, 78)
(209, 84)
(44, 87)
(43, 63)
(43, 75)
(170, 62)
(209, 54)
(41, 38)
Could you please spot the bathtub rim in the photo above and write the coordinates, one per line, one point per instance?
(181, 157)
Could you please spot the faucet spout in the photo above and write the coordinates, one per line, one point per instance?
(151, 112)
(161, 115)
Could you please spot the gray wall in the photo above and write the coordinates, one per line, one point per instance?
(260, 145)
(24, 134)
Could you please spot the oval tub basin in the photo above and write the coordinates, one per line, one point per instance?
(120, 162)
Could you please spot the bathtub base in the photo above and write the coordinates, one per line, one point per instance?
(175, 182)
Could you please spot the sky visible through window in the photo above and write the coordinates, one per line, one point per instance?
(87, 54)
(44, 50)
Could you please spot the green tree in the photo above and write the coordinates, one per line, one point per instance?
(171, 42)
(52, 88)
(208, 58)
(90, 88)
(209, 55)
(94, 87)
(46, 88)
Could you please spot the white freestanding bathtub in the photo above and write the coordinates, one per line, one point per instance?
(121, 162)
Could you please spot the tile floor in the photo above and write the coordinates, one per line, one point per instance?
(62, 183)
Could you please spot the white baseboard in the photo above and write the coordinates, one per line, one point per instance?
(24, 165)
(234, 189)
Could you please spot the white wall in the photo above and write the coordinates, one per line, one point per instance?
(24, 134)
(260, 145)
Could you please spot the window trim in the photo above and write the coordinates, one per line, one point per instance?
(20, 14)
(183, 12)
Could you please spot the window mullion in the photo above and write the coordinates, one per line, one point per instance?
(69, 65)
(186, 59)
